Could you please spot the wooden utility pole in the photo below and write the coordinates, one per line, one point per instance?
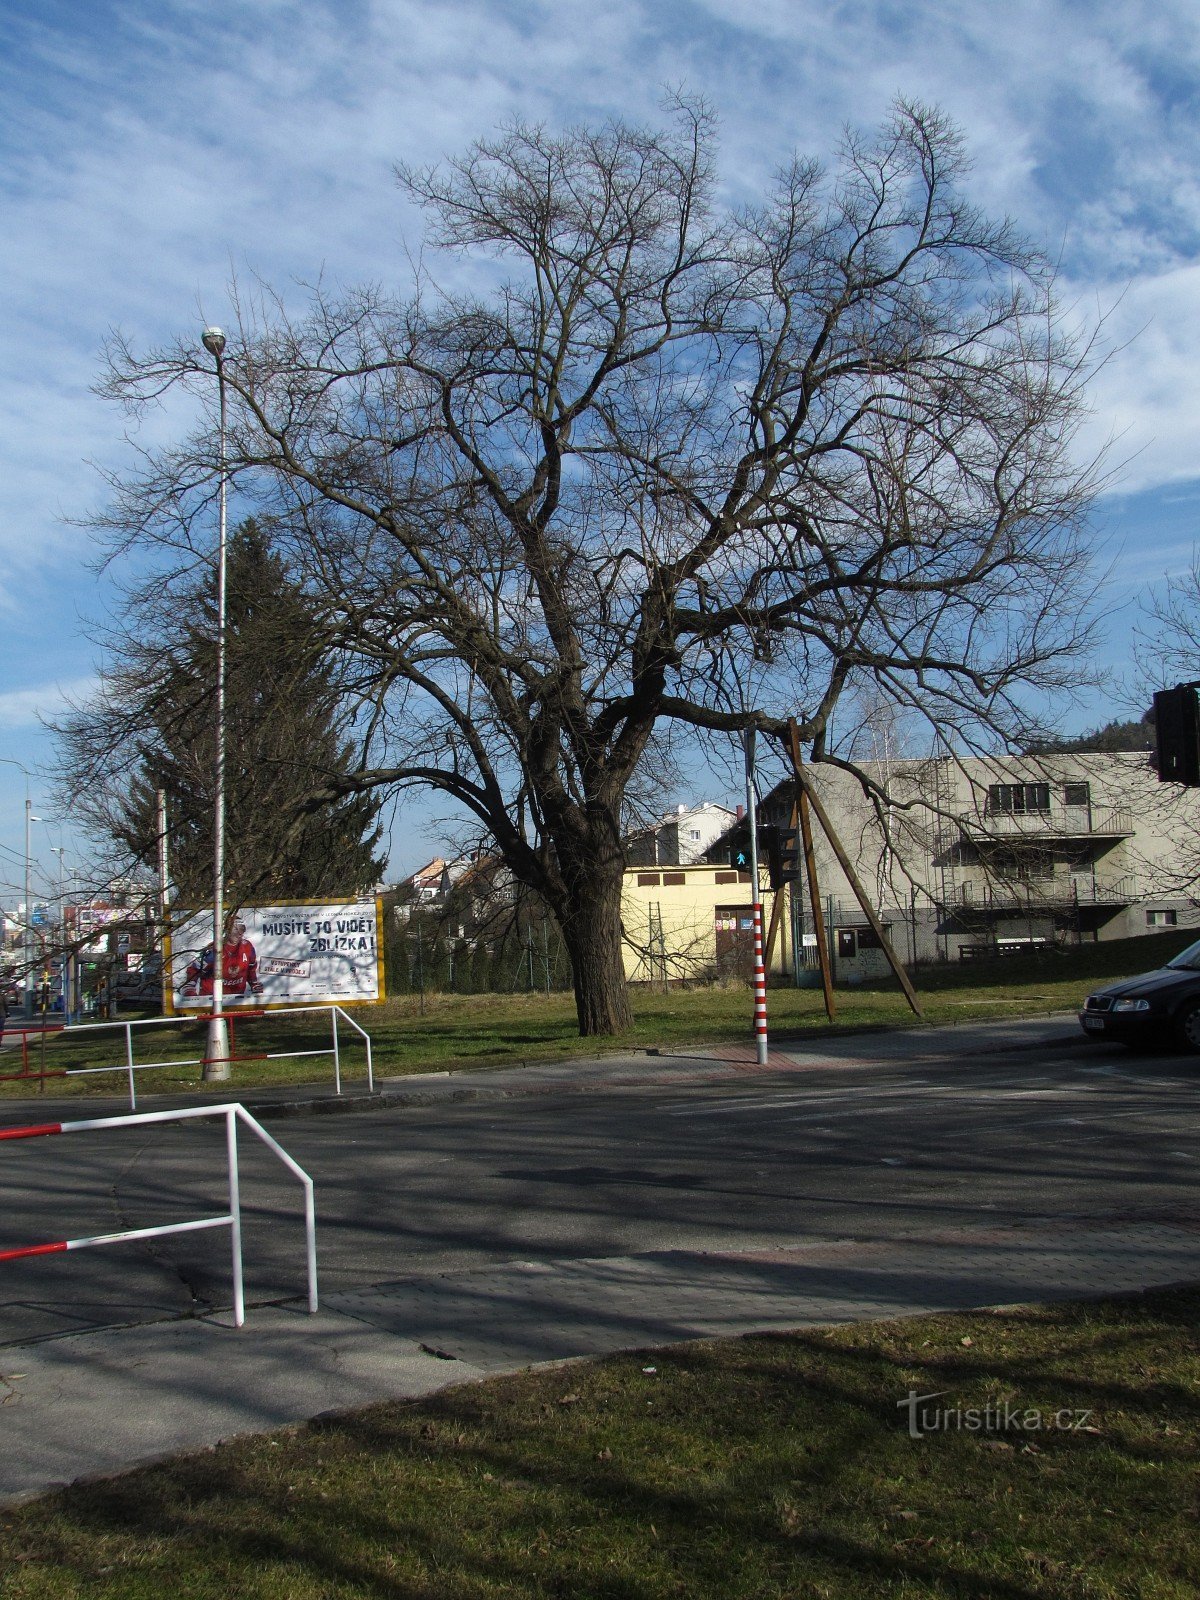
(777, 903)
(810, 874)
(805, 792)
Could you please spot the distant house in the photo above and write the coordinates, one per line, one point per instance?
(431, 882)
(486, 891)
(682, 837)
(429, 886)
(474, 892)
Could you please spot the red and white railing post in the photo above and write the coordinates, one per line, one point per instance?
(233, 1114)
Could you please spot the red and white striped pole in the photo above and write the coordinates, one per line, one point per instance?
(760, 977)
(121, 1238)
(39, 1130)
(760, 987)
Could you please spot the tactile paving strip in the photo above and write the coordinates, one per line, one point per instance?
(525, 1312)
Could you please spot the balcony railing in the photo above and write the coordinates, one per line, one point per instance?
(1060, 822)
(1049, 893)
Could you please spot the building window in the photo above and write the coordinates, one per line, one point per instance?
(1018, 797)
(1034, 869)
(694, 834)
(1076, 794)
(1162, 919)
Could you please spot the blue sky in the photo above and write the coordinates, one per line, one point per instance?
(148, 149)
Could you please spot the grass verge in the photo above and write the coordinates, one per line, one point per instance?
(745, 1469)
(453, 1031)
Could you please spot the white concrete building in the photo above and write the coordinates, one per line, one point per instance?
(975, 855)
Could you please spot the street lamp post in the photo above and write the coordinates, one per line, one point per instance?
(216, 1064)
(27, 922)
(64, 969)
(27, 939)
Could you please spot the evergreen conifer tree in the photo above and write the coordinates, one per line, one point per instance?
(281, 740)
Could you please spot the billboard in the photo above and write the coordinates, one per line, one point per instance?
(295, 953)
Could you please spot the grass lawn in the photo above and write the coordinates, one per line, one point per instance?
(774, 1466)
(454, 1031)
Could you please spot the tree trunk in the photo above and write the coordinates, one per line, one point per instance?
(592, 934)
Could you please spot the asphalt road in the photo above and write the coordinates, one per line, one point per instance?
(869, 1139)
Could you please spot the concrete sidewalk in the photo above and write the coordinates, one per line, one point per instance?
(93, 1404)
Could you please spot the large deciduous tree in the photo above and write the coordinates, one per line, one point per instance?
(638, 458)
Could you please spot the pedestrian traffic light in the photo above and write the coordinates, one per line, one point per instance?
(1177, 734)
(739, 850)
(781, 846)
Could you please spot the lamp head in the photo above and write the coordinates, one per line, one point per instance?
(214, 342)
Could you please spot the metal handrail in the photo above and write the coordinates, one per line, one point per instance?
(130, 1067)
(233, 1113)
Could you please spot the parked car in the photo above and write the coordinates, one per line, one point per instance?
(1156, 1007)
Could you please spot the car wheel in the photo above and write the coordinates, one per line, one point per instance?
(1187, 1027)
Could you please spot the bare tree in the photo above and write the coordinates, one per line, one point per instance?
(663, 463)
(1167, 636)
(1166, 653)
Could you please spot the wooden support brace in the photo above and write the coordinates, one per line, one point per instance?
(810, 873)
(806, 792)
(777, 906)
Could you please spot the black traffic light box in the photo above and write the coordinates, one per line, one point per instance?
(1177, 734)
(781, 847)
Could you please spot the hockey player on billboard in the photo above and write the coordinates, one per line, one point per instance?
(239, 967)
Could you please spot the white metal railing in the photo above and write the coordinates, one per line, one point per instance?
(130, 1067)
(233, 1114)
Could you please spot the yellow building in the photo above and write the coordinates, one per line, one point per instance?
(693, 922)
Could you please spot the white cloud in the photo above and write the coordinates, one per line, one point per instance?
(1147, 398)
(25, 708)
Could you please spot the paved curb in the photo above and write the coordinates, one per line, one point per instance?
(456, 1085)
(387, 1099)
